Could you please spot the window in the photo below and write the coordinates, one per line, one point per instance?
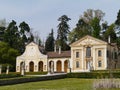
(77, 64)
(115, 55)
(88, 52)
(77, 54)
(99, 64)
(107, 53)
(99, 53)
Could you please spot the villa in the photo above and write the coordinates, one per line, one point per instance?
(87, 53)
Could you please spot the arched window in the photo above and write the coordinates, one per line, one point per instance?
(99, 53)
(99, 64)
(77, 64)
(88, 52)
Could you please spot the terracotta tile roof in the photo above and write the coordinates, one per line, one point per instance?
(64, 54)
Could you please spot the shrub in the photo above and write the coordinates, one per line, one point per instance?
(94, 75)
(3, 76)
(35, 73)
(106, 83)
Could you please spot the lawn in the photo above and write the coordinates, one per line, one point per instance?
(61, 84)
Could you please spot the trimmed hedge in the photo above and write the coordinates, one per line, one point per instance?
(31, 79)
(3, 76)
(94, 75)
(35, 73)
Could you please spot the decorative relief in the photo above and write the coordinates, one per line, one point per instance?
(89, 42)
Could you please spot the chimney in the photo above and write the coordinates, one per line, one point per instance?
(109, 39)
(55, 48)
(59, 49)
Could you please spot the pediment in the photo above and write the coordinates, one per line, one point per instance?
(32, 50)
(88, 40)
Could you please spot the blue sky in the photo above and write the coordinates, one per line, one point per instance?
(42, 15)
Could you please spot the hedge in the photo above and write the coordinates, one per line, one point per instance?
(94, 75)
(3, 76)
(35, 73)
(30, 79)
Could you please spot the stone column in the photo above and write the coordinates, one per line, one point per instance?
(62, 65)
(54, 66)
(0, 69)
(7, 70)
(68, 67)
(48, 69)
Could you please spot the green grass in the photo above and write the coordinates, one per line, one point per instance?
(61, 84)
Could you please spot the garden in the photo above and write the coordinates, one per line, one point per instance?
(94, 80)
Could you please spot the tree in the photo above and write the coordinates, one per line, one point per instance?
(88, 24)
(117, 23)
(49, 44)
(26, 35)
(8, 55)
(95, 24)
(90, 14)
(104, 28)
(11, 35)
(62, 33)
(2, 29)
(2, 32)
(81, 29)
(111, 32)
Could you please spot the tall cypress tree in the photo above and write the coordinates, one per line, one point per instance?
(62, 33)
(49, 44)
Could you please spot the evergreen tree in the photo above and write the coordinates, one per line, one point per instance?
(81, 29)
(95, 24)
(2, 32)
(88, 24)
(117, 23)
(11, 35)
(110, 32)
(26, 36)
(49, 44)
(8, 55)
(62, 33)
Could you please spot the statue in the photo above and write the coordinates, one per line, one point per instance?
(7, 70)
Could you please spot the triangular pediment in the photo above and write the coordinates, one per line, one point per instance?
(88, 40)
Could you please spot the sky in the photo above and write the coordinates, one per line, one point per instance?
(42, 15)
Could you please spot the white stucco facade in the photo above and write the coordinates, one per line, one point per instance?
(88, 53)
(32, 56)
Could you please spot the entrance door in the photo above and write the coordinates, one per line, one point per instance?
(40, 66)
(59, 66)
(31, 66)
(65, 66)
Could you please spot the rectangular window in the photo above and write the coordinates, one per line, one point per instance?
(77, 64)
(115, 55)
(88, 52)
(99, 53)
(99, 64)
(107, 53)
(77, 54)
